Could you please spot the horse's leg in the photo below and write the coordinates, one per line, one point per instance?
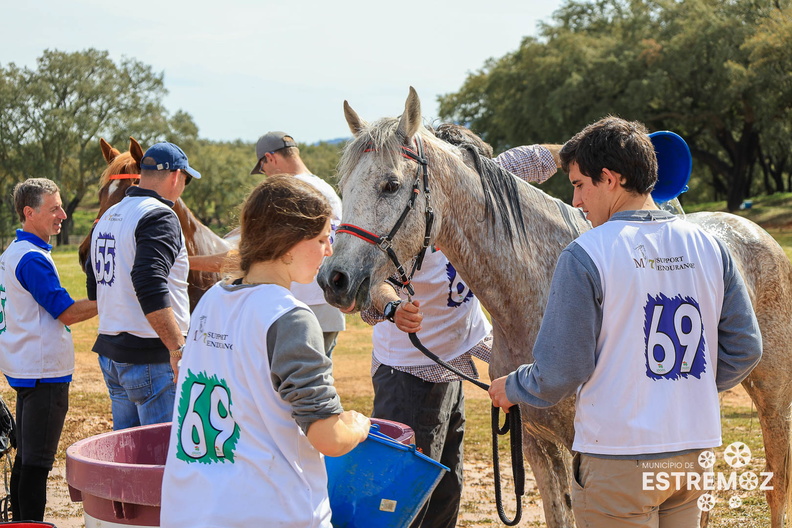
(551, 464)
(772, 401)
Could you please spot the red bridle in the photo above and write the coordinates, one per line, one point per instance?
(119, 177)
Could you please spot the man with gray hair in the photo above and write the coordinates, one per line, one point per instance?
(138, 273)
(36, 348)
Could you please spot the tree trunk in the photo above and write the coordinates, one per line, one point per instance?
(734, 197)
(68, 224)
(743, 155)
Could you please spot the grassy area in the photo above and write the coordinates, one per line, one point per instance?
(741, 424)
(773, 212)
(72, 277)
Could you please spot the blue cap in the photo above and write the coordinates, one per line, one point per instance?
(168, 157)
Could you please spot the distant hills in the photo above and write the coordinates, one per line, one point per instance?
(332, 141)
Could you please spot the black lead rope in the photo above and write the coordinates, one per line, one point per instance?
(434, 357)
(513, 423)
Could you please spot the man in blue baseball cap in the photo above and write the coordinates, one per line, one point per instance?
(167, 157)
(138, 274)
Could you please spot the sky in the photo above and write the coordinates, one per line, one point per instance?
(243, 67)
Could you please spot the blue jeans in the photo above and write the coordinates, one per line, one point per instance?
(141, 394)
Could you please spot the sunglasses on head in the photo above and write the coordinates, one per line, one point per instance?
(187, 177)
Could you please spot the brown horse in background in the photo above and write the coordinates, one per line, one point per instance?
(123, 171)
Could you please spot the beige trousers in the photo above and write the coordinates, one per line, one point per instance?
(660, 493)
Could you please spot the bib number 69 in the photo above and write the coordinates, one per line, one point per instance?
(674, 338)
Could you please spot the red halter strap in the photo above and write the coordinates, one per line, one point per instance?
(124, 177)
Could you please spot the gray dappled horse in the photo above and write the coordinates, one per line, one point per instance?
(504, 236)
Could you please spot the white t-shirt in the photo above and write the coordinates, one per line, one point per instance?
(113, 243)
(34, 344)
(330, 318)
(453, 319)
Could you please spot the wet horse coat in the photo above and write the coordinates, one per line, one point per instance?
(478, 216)
(123, 170)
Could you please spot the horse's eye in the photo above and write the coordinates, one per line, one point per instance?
(391, 186)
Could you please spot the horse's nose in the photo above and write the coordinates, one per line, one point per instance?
(333, 280)
(339, 281)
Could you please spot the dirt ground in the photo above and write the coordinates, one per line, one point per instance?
(89, 414)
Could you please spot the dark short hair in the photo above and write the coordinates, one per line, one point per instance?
(616, 144)
(280, 212)
(458, 135)
(29, 194)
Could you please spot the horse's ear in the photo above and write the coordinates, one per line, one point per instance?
(410, 120)
(353, 120)
(135, 150)
(108, 151)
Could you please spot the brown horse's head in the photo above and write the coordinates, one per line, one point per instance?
(123, 171)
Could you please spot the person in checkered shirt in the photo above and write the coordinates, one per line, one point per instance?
(410, 388)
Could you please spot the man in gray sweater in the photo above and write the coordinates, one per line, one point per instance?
(647, 320)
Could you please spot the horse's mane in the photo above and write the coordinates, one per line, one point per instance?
(501, 194)
(124, 163)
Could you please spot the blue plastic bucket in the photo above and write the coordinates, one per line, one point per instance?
(380, 483)
(674, 165)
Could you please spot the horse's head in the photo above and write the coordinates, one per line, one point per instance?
(123, 171)
(379, 174)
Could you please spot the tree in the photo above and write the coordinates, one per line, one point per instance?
(702, 68)
(225, 182)
(322, 159)
(52, 117)
(771, 58)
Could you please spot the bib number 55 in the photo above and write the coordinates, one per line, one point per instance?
(104, 259)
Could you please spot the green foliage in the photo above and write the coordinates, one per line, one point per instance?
(717, 73)
(224, 184)
(322, 159)
(83, 220)
(226, 179)
(51, 119)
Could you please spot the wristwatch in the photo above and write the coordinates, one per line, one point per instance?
(390, 310)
